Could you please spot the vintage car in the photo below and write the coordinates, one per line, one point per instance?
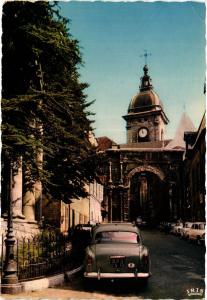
(176, 229)
(81, 238)
(184, 231)
(197, 232)
(116, 251)
(166, 227)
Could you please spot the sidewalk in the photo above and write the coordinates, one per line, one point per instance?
(43, 283)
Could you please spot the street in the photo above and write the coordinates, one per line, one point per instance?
(178, 270)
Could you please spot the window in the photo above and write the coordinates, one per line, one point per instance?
(117, 237)
(202, 226)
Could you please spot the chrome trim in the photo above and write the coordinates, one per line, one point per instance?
(117, 256)
(99, 275)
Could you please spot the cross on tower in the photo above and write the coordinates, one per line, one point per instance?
(145, 55)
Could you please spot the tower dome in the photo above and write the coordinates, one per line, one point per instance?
(146, 99)
(146, 118)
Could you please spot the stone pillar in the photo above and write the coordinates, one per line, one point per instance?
(38, 188)
(29, 205)
(38, 200)
(17, 189)
(29, 197)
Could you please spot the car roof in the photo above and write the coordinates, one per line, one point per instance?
(199, 223)
(85, 225)
(116, 227)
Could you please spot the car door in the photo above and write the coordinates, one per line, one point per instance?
(193, 234)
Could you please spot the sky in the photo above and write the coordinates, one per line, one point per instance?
(113, 37)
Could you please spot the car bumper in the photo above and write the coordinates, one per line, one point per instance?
(116, 275)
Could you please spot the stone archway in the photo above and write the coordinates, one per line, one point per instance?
(147, 194)
(155, 170)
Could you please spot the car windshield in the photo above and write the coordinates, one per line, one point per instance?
(116, 237)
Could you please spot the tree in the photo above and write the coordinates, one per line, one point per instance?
(44, 105)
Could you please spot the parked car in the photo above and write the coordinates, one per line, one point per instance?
(167, 228)
(117, 251)
(184, 231)
(197, 232)
(140, 222)
(84, 227)
(81, 238)
(176, 229)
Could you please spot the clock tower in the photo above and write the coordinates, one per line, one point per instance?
(146, 119)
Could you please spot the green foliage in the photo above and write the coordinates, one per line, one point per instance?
(44, 105)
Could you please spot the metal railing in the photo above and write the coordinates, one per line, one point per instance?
(46, 254)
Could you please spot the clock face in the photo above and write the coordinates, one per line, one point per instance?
(143, 132)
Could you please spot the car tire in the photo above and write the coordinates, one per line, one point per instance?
(143, 281)
(88, 284)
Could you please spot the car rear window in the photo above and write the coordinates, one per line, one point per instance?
(117, 237)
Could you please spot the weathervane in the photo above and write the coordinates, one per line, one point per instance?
(145, 55)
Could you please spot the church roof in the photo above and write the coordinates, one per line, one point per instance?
(104, 143)
(146, 98)
(185, 125)
(200, 129)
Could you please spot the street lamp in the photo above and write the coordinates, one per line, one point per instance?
(110, 196)
(121, 201)
(110, 192)
(10, 283)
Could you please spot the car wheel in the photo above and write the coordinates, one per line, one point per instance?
(88, 284)
(143, 281)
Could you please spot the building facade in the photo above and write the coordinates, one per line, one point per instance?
(145, 175)
(194, 172)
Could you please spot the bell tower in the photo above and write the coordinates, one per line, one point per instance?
(146, 119)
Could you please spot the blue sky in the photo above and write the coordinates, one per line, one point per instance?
(114, 35)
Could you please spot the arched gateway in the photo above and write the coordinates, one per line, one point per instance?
(155, 170)
(148, 194)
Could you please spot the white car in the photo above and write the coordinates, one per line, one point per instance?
(185, 229)
(197, 232)
(176, 229)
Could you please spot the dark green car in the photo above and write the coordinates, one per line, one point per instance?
(116, 251)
